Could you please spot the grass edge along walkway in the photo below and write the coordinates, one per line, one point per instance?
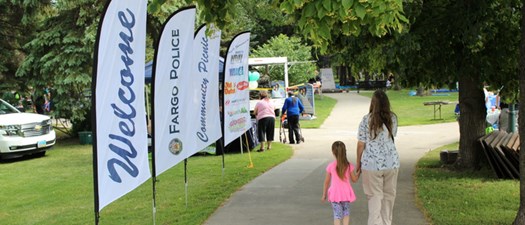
(450, 197)
(58, 188)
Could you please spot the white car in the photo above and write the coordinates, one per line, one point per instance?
(24, 133)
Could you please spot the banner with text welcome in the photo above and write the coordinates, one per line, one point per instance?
(206, 87)
(120, 143)
(236, 93)
(173, 101)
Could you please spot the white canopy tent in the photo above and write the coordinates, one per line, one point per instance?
(270, 61)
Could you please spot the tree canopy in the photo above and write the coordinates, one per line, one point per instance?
(292, 48)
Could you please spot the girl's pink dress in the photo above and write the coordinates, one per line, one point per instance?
(339, 190)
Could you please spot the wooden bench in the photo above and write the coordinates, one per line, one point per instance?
(502, 151)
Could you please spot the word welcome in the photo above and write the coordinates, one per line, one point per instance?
(127, 98)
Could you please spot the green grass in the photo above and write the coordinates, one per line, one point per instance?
(457, 198)
(323, 107)
(411, 111)
(58, 188)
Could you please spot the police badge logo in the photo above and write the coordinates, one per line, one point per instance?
(175, 146)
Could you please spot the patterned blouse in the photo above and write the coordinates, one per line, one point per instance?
(379, 153)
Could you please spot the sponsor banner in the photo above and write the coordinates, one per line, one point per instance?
(174, 103)
(237, 115)
(205, 74)
(121, 145)
(327, 76)
(306, 95)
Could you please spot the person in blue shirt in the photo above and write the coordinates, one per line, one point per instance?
(293, 107)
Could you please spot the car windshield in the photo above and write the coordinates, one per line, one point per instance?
(6, 108)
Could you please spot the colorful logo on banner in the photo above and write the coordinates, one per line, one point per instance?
(236, 92)
(121, 139)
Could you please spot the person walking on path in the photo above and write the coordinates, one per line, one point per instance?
(337, 185)
(293, 107)
(265, 114)
(378, 159)
(288, 194)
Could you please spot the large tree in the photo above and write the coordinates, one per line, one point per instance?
(520, 216)
(17, 27)
(471, 42)
(60, 56)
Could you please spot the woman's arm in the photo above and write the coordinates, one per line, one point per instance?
(325, 186)
(360, 149)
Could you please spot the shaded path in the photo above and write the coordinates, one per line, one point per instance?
(290, 193)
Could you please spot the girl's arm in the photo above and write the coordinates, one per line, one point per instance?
(355, 175)
(325, 186)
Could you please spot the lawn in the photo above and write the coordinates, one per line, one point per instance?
(323, 107)
(58, 188)
(455, 198)
(411, 111)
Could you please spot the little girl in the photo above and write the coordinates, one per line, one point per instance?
(340, 192)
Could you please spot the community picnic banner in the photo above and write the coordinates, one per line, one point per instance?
(236, 92)
(120, 144)
(173, 101)
(206, 81)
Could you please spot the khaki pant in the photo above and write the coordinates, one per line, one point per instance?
(380, 189)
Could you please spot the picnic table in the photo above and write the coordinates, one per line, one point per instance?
(437, 104)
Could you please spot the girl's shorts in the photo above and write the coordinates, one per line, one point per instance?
(341, 209)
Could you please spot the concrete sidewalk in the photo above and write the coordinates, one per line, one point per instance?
(291, 192)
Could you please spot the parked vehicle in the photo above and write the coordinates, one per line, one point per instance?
(24, 133)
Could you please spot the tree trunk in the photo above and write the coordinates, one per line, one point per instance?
(471, 122)
(520, 216)
(343, 75)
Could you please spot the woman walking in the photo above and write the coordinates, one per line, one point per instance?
(377, 159)
(265, 114)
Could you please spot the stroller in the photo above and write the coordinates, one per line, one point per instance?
(282, 132)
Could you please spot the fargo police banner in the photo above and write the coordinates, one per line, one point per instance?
(206, 80)
(236, 92)
(120, 147)
(174, 103)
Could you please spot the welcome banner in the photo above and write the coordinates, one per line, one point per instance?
(120, 141)
(206, 87)
(236, 91)
(173, 101)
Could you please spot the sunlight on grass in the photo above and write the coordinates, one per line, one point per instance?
(58, 188)
(470, 197)
(411, 111)
(323, 107)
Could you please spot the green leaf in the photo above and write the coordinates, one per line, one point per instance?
(321, 12)
(360, 11)
(309, 10)
(343, 13)
(324, 30)
(327, 4)
(402, 18)
(347, 4)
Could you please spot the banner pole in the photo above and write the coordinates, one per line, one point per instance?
(186, 181)
(240, 141)
(249, 154)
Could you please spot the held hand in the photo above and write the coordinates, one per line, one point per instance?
(358, 168)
